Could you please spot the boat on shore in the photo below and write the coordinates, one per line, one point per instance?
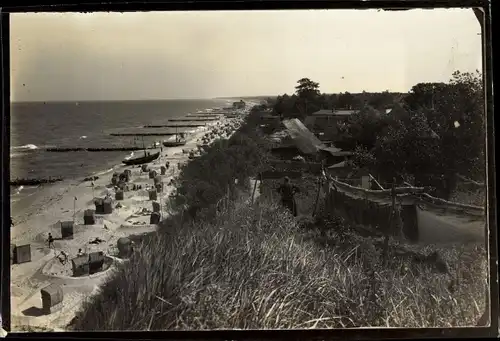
(142, 159)
(180, 140)
(147, 158)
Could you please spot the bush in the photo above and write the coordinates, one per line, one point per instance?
(204, 181)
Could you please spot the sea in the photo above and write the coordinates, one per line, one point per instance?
(34, 127)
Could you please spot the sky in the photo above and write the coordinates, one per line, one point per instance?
(181, 55)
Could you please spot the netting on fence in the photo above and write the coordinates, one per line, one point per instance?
(421, 216)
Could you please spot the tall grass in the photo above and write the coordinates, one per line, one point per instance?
(257, 267)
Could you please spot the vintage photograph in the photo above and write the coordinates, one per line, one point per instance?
(228, 170)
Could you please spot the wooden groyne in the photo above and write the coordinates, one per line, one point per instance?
(98, 149)
(33, 181)
(204, 115)
(197, 119)
(143, 134)
(194, 125)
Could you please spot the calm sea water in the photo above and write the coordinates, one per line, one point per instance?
(36, 126)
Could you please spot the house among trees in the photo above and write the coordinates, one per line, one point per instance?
(297, 140)
(326, 120)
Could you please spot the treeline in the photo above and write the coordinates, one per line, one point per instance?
(433, 133)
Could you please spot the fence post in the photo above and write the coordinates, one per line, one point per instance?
(317, 197)
(255, 187)
(388, 229)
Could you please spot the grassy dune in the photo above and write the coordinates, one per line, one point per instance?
(257, 267)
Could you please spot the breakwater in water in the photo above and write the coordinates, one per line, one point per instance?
(98, 149)
(34, 181)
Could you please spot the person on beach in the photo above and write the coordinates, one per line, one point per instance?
(80, 253)
(63, 257)
(50, 240)
(287, 191)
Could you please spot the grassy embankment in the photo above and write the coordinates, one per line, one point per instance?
(228, 264)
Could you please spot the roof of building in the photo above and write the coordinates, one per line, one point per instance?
(302, 137)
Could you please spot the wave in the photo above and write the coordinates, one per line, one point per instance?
(26, 147)
(83, 137)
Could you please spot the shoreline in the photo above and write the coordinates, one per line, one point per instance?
(57, 204)
(26, 205)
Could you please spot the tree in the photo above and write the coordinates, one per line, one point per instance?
(438, 133)
(422, 95)
(345, 100)
(455, 111)
(307, 89)
(361, 129)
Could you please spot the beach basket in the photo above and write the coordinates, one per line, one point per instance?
(124, 247)
(119, 195)
(155, 218)
(52, 297)
(144, 168)
(99, 205)
(163, 170)
(157, 180)
(80, 266)
(159, 187)
(114, 180)
(153, 195)
(89, 217)
(128, 172)
(107, 206)
(96, 262)
(123, 186)
(156, 206)
(124, 177)
(152, 174)
(67, 228)
(115, 174)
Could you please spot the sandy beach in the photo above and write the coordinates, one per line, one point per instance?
(57, 204)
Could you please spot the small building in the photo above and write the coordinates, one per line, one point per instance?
(52, 298)
(326, 120)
